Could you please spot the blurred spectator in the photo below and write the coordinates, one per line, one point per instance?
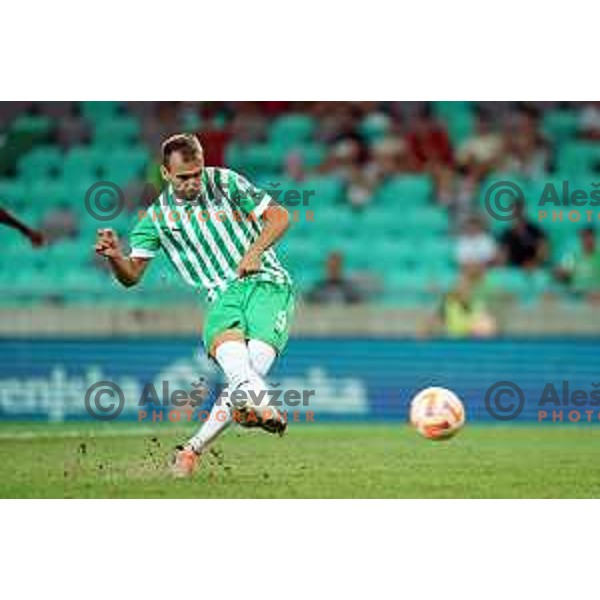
(294, 166)
(483, 148)
(524, 244)
(527, 152)
(580, 267)
(463, 313)
(335, 288)
(456, 189)
(344, 162)
(428, 141)
(337, 121)
(249, 124)
(475, 246)
(589, 121)
(389, 157)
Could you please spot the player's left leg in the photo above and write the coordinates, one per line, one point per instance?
(262, 356)
(268, 313)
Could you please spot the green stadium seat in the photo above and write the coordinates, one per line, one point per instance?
(116, 133)
(14, 193)
(446, 109)
(561, 125)
(48, 192)
(312, 155)
(374, 127)
(460, 127)
(327, 189)
(430, 218)
(32, 124)
(263, 157)
(135, 158)
(83, 163)
(291, 130)
(579, 157)
(438, 251)
(100, 111)
(331, 218)
(381, 220)
(43, 161)
(405, 190)
(234, 157)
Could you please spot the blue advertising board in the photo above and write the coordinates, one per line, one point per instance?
(352, 379)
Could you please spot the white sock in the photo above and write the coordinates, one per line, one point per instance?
(262, 356)
(218, 420)
(234, 359)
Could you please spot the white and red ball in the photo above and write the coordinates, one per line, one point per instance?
(437, 413)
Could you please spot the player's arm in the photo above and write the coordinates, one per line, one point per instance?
(276, 222)
(257, 205)
(35, 237)
(127, 270)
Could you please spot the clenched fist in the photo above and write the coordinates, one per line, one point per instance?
(249, 264)
(107, 244)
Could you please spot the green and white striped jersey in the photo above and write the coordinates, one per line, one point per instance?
(206, 239)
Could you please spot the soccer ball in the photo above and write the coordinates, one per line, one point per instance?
(437, 413)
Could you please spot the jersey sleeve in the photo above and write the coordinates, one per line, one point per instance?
(144, 239)
(246, 196)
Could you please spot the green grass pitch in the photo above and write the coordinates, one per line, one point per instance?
(312, 461)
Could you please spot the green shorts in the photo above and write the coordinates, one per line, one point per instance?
(262, 310)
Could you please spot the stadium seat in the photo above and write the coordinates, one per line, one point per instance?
(13, 193)
(561, 125)
(375, 127)
(579, 157)
(292, 130)
(405, 190)
(100, 111)
(116, 133)
(42, 161)
(83, 163)
(32, 124)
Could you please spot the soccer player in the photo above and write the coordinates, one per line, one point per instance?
(217, 230)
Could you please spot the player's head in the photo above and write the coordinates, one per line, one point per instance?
(182, 164)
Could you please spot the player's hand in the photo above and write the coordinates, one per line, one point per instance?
(36, 238)
(107, 244)
(249, 264)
